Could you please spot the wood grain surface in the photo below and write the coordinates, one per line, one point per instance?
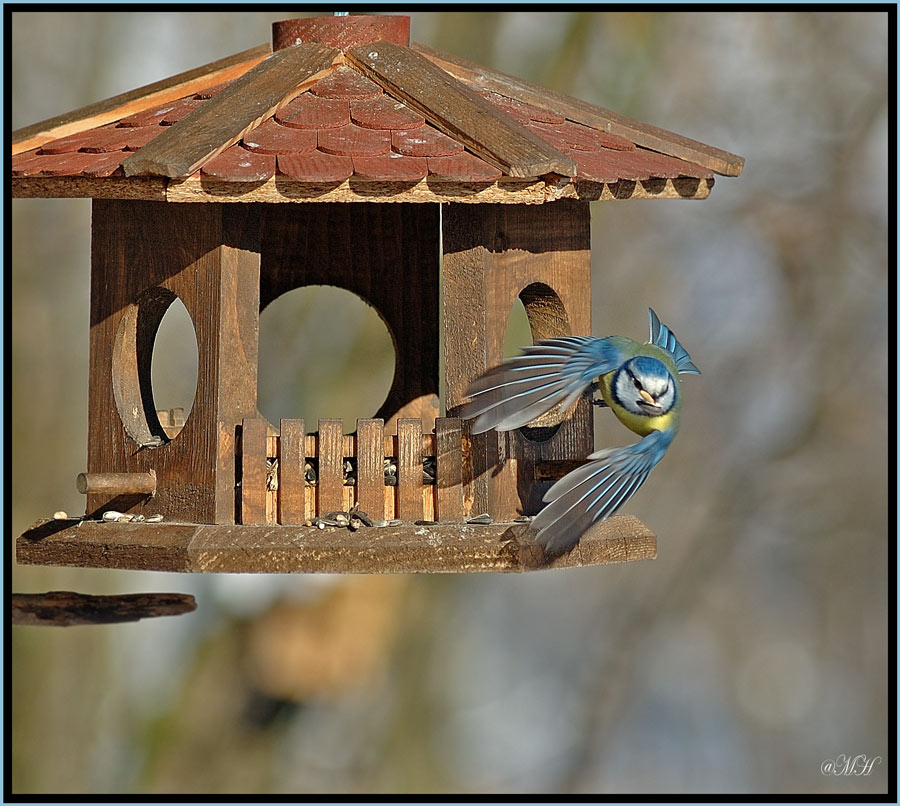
(227, 116)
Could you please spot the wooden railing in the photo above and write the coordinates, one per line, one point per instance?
(291, 477)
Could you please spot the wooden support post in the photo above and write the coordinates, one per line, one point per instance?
(492, 254)
(208, 257)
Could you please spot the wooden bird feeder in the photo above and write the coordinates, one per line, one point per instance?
(437, 190)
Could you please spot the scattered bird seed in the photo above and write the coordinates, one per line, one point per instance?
(154, 518)
(311, 472)
(272, 474)
(336, 519)
(356, 512)
(60, 516)
(481, 519)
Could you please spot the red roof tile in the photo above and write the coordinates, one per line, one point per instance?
(167, 114)
(316, 167)
(574, 136)
(353, 140)
(273, 138)
(74, 142)
(237, 164)
(345, 82)
(462, 167)
(311, 112)
(105, 164)
(383, 112)
(391, 168)
(522, 112)
(424, 141)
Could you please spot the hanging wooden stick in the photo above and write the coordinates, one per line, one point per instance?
(65, 608)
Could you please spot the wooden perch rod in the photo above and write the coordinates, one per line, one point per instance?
(117, 483)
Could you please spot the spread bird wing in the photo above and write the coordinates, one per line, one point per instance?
(661, 336)
(596, 490)
(548, 373)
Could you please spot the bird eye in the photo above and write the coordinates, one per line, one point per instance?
(637, 384)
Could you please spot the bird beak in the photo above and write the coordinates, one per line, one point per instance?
(648, 404)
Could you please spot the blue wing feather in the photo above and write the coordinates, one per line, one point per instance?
(546, 374)
(596, 490)
(661, 336)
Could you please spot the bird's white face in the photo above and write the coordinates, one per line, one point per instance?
(644, 386)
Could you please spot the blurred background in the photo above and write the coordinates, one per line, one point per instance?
(752, 650)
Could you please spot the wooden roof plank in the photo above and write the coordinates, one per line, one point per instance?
(230, 114)
(138, 100)
(642, 134)
(459, 111)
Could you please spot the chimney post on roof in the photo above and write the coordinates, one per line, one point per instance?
(343, 33)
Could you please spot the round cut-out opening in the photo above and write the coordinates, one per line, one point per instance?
(323, 353)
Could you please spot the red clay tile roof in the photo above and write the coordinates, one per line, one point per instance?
(351, 99)
(346, 126)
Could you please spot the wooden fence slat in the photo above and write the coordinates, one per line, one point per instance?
(253, 471)
(448, 481)
(291, 477)
(370, 467)
(409, 470)
(331, 466)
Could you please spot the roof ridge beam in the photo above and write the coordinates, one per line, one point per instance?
(230, 114)
(642, 134)
(458, 111)
(138, 100)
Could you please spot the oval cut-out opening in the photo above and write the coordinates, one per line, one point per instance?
(323, 353)
(173, 368)
(545, 318)
(154, 367)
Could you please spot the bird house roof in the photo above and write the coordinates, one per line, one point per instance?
(343, 109)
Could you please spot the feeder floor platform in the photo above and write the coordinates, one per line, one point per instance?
(406, 548)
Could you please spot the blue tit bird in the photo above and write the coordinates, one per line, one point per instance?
(638, 382)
